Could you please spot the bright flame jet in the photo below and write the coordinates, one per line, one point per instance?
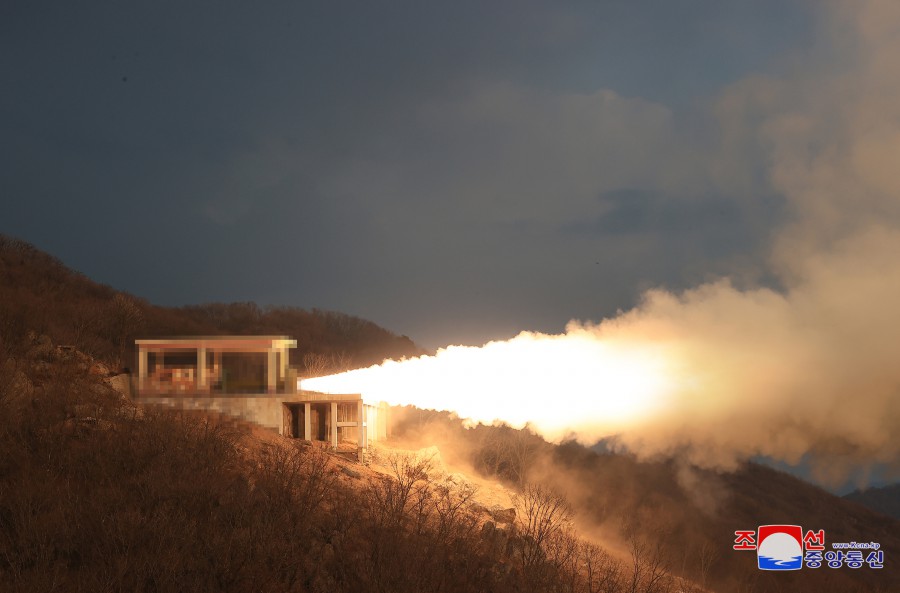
(807, 371)
(572, 385)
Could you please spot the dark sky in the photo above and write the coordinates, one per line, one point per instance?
(454, 171)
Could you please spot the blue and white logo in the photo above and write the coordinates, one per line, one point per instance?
(780, 547)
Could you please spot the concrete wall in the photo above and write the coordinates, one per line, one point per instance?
(269, 411)
(264, 411)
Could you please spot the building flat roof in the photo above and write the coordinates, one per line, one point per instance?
(236, 343)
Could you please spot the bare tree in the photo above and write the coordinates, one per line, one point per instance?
(649, 567)
(341, 361)
(707, 556)
(125, 318)
(299, 473)
(544, 514)
(83, 323)
(316, 364)
(562, 559)
(450, 502)
(507, 452)
(602, 573)
(12, 337)
(404, 494)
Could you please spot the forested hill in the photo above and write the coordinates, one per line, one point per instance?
(39, 294)
(885, 500)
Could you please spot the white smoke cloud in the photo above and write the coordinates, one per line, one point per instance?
(810, 369)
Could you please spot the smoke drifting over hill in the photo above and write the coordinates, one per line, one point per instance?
(717, 373)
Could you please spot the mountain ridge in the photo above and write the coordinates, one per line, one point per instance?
(39, 293)
(882, 499)
(682, 516)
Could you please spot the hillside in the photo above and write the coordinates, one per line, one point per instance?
(97, 494)
(690, 514)
(40, 294)
(885, 500)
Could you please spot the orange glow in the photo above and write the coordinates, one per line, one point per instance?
(570, 385)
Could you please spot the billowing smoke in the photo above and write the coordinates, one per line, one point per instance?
(718, 374)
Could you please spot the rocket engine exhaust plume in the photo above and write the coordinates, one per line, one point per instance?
(810, 369)
(715, 375)
(566, 385)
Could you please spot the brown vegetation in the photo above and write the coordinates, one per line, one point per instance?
(99, 495)
(40, 294)
(663, 521)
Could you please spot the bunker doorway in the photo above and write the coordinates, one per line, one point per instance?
(294, 421)
(319, 421)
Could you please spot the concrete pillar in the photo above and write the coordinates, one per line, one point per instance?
(160, 363)
(384, 423)
(360, 424)
(334, 427)
(142, 367)
(217, 368)
(307, 422)
(201, 368)
(282, 367)
(360, 431)
(271, 370)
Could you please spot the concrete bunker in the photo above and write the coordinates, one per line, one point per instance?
(250, 377)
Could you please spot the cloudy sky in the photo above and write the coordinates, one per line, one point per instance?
(454, 171)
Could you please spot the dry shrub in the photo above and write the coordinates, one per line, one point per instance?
(99, 495)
